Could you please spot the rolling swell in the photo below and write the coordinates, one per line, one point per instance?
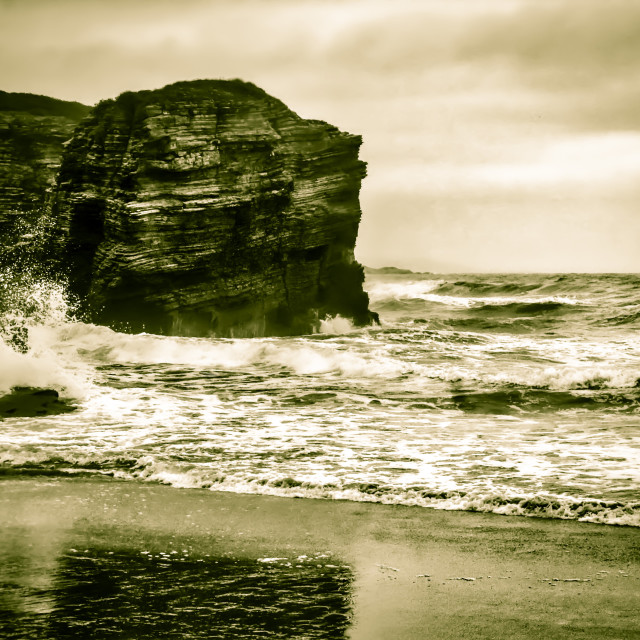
(477, 288)
(499, 323)
(514, 401)
(510, 303)
(626, 317)
(525, 308)
(507, 306)
(479, 315)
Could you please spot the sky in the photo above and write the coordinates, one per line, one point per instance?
(500, 135)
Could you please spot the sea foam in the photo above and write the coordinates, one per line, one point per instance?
(542, 422)
(505, 502)
(427, 290)
(303, 356)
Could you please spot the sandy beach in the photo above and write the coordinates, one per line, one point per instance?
(347, 569)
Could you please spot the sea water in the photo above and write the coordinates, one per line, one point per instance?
(513, 394)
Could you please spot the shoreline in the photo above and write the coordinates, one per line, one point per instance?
(590, 510)
(453, 573)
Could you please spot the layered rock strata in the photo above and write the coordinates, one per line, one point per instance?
(210, 208)
(33, 131)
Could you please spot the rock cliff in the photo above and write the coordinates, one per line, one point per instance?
(210, 208)
(33, 130)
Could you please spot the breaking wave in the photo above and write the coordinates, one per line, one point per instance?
(304, 356)
(539, 374)
(389, 293)
(188, 476)
(38, 369)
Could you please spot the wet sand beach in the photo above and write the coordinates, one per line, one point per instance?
(106, 559)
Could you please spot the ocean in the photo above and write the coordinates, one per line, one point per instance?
(513, 394)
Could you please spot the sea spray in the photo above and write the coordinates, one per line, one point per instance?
(32, 292)
(32, 308)
(337, 325)
(518, 415)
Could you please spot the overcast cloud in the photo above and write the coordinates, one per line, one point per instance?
(500, 134)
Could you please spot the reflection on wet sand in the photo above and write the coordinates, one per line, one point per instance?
(95, 559)
(29, 563)
(101, 593)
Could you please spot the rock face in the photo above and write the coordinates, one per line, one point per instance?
(210, 208)
(33, 130)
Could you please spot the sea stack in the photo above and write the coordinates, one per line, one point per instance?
(210, 208)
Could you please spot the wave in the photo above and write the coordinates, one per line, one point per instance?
(70, 357)
(30, 306)
(302, 356)
(382, 290)
(586, 378)
(549, 378)
(510, 302)
(487, 324)
(66, 356)
(388, 294)
(539, 284)
(40, 367)
(513, 318)
(626, 317)
(190, 476)
(526, 307)
(337, 325)
(514, 401)
(19, 370)
(484, 288)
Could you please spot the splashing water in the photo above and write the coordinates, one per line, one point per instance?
(30, 308)
(512, 394)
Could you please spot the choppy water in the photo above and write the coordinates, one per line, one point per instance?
(517, 394)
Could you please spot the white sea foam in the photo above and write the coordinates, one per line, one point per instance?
(571, 378)
(363, 415)
(423, 290)
(57, 350)
(380, 291)
(39, 370)
(599, 377)
(501, 502)
(302, 356)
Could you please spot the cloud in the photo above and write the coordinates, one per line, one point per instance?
(499, 232)
(480, 118)
(562, 42)
(573, 63)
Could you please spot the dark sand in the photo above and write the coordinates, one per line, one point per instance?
(369, 571)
